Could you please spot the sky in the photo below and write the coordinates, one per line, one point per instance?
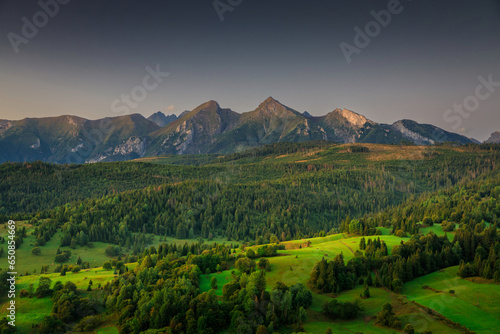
(424, 60)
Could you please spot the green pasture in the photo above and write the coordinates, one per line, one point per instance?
(472, 305)
(222, 278)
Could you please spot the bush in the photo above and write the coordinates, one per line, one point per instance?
(87, 324)
(428, 221)
(409, 329)
(213, 283)
(112, 251)
(107, 265)
(358, 149)
(400, 234)
(448, 226)
(63, 257)
(51, 325)
(43, 289)
(366, 293)
(264, 264)
(387, 318)
(250, 254)
(36, 251)
(338, 310)
(245, 265)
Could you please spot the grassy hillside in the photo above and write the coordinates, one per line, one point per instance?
(473, 304)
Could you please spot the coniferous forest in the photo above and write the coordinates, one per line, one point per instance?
(304, 237)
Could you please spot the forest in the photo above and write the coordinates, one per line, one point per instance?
(407, 212)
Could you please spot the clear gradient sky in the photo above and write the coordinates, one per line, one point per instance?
(91, 52)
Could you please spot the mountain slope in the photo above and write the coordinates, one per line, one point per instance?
(70, 139)
(425, 134)
(195, 132)
(494, 138)
(270, 122)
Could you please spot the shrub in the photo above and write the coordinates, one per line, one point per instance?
(63, 257)
(409, 329)
(107, 265)
(338, 310)
(87, 324)
(245, 265)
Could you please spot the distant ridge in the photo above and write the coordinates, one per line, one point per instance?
(161, 119)
(209, 128)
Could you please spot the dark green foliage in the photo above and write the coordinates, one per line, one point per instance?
(70, 306)
(43, 290)
(242, 201)
(387, 318)
(87, 324)
(264, 264)
(358, 149)
(409, 329)
(336, 276)
(63, 257)
(366, 293)
(213, 282)
(51, 325)
(107, 265)
(245, 265)
(268, 250)
(5, 328)
(343, 311)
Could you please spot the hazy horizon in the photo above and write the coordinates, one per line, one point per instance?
(427, 58)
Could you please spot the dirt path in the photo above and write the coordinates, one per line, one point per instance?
(343, 243)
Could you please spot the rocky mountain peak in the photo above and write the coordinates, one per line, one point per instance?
(351, 117)
(494, 138)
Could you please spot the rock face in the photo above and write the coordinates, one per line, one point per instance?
(161, 119)
(206, 129)
(410, 135)
(70, 139)
(426, 134)
(494, 138)
(195, 132)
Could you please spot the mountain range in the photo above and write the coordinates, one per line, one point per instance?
(206, 129)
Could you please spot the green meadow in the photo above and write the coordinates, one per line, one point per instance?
(32, 310)
(474, 305)
(437, 230)
(294, 264)
(222, 278)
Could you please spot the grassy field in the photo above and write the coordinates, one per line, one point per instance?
(472, 305)
(438, 230)
(29, 311)
(108, 330)
(222, 278)
(95, 255)
(32, 310)
(294, 264)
